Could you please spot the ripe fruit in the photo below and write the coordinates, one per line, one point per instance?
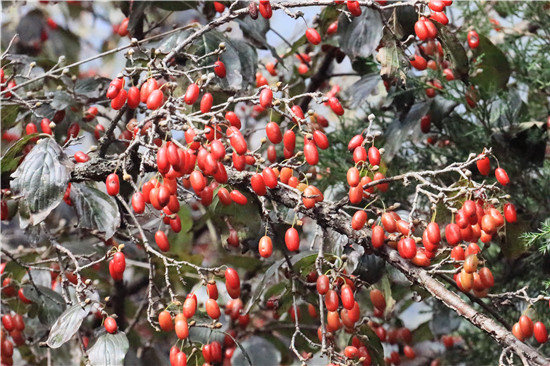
(265, 247)
(292, 239)
(313, 36)
(486, 277)
(332, 28)
(258, 184)
(162, 241)
(270, 178)
(181, 327)
(358, 220)
(473, 39)
(266, 97)
(119, 100)
(502, 176)
(155, 99)
(351, 352)
(420, 29)
(331, 300)
(110, 325)
(212, 309)
(335, 105)
(418, 62)
(516, 331)
(273, 132)
(484, 165)
(189, 306)
(192, 94)
(238, 197)
(389, 222)
(374, 156)
(346, 295)
(378, 236)
(510, 213)
(540, 332)
(311, 153)
(81, 157)
(133, 97)
(406, 248)
(112, 184)
(434, 235)
(232, 279)
(354, 8)
(219, 69)
(8, 323)
(452, 234)
(165, 321)
(377, 299)
(322, 284)
(206, 102)
(526, 326)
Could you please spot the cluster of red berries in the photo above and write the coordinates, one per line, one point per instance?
(14, 326)
(212, 352)
(525, 328)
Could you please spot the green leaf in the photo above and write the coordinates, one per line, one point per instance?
(9, 116)
(494, 67)
(95, 209)
(262, 286)
(42, 179)
(64, 42)
(260, 352)
(391, 59)
(241, 348)
(399, 130)
(67, 325)
(362, 89)
(454, 50)
(50, 304)
(9, 160)
(371, 340)
(249, 61)
(109, 350)
(91, 87)
(422, 333)
(361, 36)
(61, 100)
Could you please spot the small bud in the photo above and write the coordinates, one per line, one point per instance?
(311, 112)
(218, 325)
(38, 104)
(107, 298)
(276, 102)
(382, 150)
(93, 148)
(65, 71)
(52, 125)
(371, 117)
(134, 41)
(230, 99)
(88, 282)
(121, 246)
(263, 140)
(222, 46)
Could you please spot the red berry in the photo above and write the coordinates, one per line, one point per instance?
(258, 184)
(419, 62)
(206, 102)
(541, 334)
(406, 248)
(212, 309)
(335, 105)
(81, 157)
(273, 132)
(313, 36)
(266, 97)
(292, 239)
(265, 247)
(374, 156)
(354, 7)
(165, 321)
(232, 278)
(219, 69)
(119, 100)
(238, 197)
(155, 99)
(526, 326)
(331, 300)
(133, 97)
(358, 220)
(473, 39)
(502, 176)
(112, 184)
(510, 213)
(192, 94)
(162, 241)
(110, 325)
